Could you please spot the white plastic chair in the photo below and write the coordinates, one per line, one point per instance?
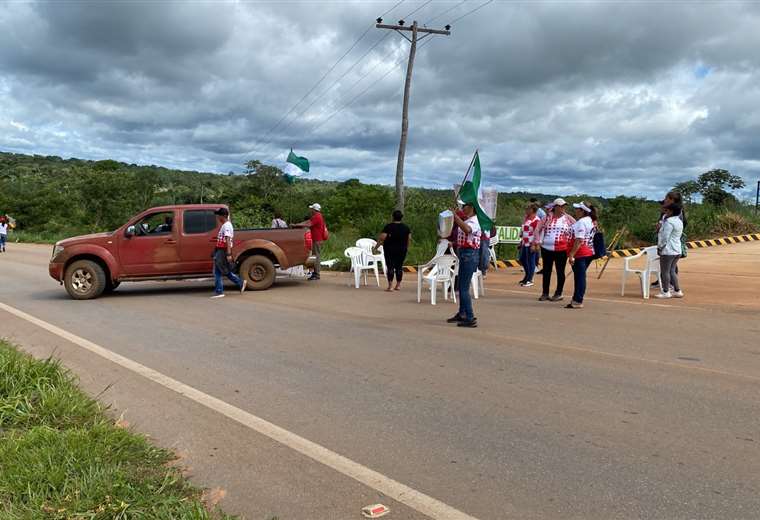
(440, 270)
(369, 246)
(651, 267)
(478, 284)
(492, 248)
(360, 262)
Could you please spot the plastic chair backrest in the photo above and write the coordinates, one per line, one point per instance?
(357, 255)
(444, 267)
(367, 244)
(653, 259)
(494, 241)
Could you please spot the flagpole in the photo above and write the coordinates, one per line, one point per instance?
(467, 172)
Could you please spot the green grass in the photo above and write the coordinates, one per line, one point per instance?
(62, 457)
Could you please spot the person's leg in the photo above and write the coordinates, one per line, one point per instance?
(468, 264)
(579, 277)
(218, 283)
(400, 268)
(523, 259)
(547, 257)
(235, 279)
(665, 265)
(560, 261)
(389, 266)
(2, 243)
(674, 274)
(317, 246)
(531, 268)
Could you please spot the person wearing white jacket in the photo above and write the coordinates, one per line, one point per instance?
(669, 248)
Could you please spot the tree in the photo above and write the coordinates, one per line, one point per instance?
(712, 186)
(687, 189)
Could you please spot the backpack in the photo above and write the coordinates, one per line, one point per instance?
(600, 250)
(325, 232)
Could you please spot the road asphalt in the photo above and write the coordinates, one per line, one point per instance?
(624, 409)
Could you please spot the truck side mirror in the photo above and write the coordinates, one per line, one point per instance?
(130, 232)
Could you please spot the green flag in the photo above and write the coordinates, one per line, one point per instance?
(472, 193)
(300, 164)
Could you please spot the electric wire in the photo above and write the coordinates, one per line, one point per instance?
(468, 13)
(444, 13)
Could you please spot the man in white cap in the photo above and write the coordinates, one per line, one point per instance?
(318, 235)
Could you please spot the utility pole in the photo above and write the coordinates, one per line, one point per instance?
(415, 30)
(757, 197)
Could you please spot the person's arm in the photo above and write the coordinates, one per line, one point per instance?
(576, 245)
(663, 235)
(381, 239)
(461, 224)
(408, 239)
(305, 223)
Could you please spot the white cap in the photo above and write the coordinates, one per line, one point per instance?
(316, 207)
(582, 205)
(559, 201)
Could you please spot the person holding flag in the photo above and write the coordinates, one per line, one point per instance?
(468, 251)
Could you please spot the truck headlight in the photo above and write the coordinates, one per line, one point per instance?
(57, 250)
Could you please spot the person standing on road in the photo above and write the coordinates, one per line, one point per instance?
(669, 248)
(672, 197)
(318, 235)
(540, 213)
(582, 251)
(223, 255)
(468, 249)
(395, 240)
(528, 255)
(3, 234)
(555, 233)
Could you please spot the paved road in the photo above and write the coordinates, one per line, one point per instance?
(625, 409)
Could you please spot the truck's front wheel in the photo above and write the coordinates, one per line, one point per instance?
(258, 271)
(84, 280)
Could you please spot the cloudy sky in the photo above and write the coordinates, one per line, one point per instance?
(564, 97)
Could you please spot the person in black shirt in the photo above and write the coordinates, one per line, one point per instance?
(395, 241)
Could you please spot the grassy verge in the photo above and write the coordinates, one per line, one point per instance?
(61, 457)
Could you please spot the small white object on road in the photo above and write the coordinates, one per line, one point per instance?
(375, 511)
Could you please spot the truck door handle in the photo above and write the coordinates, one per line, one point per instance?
(170, 241)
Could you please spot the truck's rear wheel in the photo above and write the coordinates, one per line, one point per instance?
(258, 271)
(84, 280)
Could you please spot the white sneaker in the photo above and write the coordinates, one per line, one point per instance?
(678, 294)
(217, 296)
(665, 295)
(245, 284)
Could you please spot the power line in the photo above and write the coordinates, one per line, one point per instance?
(320, 80)
(447, 11)
(468, 13)
(420, 7)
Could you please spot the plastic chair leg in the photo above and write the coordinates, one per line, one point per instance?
(622, 288)
(419, 286)
(377, 276)
(433, 286)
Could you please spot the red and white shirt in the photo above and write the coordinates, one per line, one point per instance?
(584, 230)
(529, 230)
(557, 232)
(469, 240)
(225, 231)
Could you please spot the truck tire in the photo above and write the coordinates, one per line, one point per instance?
(84, 280)
(258, 271)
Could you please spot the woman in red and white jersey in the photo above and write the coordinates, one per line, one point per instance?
(527, 254)
(582, 251)
(555, 235)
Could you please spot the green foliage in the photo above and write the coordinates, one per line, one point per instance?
(62, 457)
(52, 198)
(712, 185)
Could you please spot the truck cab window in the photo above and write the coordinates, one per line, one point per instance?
(156, 224)
(198, 221)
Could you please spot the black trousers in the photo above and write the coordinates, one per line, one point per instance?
(558, 259)
(394, 263)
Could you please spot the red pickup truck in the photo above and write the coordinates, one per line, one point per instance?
(170, 243)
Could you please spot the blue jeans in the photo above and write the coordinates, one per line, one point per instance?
(528, 260)
(485, 255)
(579, 276)
(3, 238)
(219, 273)
(468, 264)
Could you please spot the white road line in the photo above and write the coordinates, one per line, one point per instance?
(402, 493)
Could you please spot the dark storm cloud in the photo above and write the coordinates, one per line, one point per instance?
(562, 97)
